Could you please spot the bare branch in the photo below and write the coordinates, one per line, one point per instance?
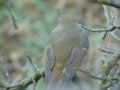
(25, 83)
(107, 68)
(106, 51)
(112, 28)
(112, 62)
(94, 76)
(13, 16)
(5, 68)
(106, 81)
(31, 62)
(113, 3)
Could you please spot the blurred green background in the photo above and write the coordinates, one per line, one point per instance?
(36, 19)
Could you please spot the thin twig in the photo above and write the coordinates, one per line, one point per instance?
(104, 35)
(112, 62)
(31, 62)
(107, 68)
(94, 76)
(5, 68)
(113, 3)
(106, 51)
(13, 16)
(111, 80)
(102, 29)
(25, 83)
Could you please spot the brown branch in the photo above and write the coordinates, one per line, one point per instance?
(112, 28)
(106, 81)
(25, 83)
(107, 68)
(106, 30)
(105, 51)
(112, 62)
(113, 3)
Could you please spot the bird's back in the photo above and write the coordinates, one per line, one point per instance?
(64, 38)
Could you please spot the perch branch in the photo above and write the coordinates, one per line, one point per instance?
(25, 83)
(112, 28)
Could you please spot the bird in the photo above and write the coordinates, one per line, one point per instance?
(66, 48)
